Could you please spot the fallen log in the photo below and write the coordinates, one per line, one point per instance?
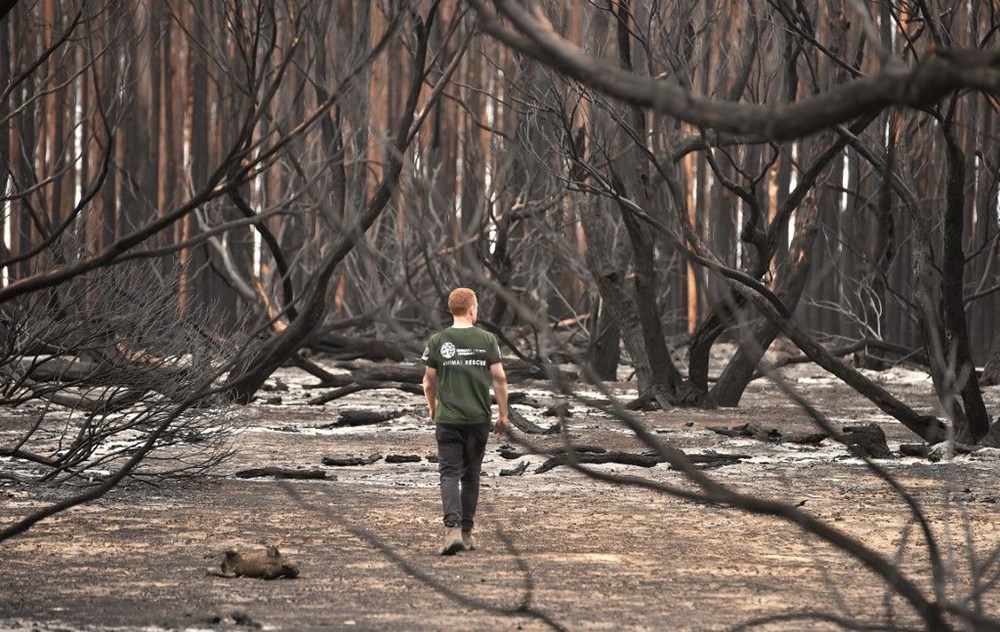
(351, 418)
(403, 458)
(625, 458)
(413, 372)
(313, 369)
(519, 370)
(104, 404)
(364, 386)
(406, 372)
(703, 461)
(111, 371)
(519, 397)
(509, 452)
(352, 348)
(407, 377)
(515, 471)
(351, 460)
(529, 427)
(366, 373)
(754, 430)
(281, 472)
(710, 459)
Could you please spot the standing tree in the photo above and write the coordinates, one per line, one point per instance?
(136, 193)
(863, 77)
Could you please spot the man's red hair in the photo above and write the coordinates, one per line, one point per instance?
(460, 301)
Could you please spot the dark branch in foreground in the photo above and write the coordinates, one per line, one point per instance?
(939, 73)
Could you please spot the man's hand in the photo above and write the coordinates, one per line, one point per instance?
(499, 379)
(430, 391)
(502, 427)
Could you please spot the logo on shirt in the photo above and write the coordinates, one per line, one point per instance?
(447, 350)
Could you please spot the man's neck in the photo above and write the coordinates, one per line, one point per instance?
(462, 322)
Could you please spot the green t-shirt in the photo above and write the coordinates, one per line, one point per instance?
(462, 357)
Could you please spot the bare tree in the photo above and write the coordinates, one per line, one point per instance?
(124, 348)
(854, 96)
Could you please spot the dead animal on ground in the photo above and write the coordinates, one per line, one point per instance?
(271, 565)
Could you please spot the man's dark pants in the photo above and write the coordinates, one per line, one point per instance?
(460, 459)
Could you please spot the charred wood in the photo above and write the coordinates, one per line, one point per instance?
(863, 346)
(350, 348)
(704, 461)
(410, 373)
(624, 458)
(281, 472)
(350, 461)
(403, 458)
(82, 371)
(867, 440)
(353, 417)
(756, 431)
(364, 386)
(314, 369)
(529, 427)
(509, 452)
(920, 450)
(559, 410)
(515, 471)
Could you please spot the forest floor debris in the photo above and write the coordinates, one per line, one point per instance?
(591, 556)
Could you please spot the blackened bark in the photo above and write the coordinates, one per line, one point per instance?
(604, 352)
(666, 377)
(941, 318)
(287, 291)
(343, 347)
(720, 318)
(610, 279)
(977, 421)
(737, 375)
(723, 314)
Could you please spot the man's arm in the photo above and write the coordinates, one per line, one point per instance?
(431, 389)
(499, 378)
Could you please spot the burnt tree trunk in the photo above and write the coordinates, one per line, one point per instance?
(666, 377)
(724, 313)
(604, 351)
(741, 368)
(609, 275)
(975, 420)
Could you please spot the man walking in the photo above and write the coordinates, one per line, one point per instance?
(462, 362)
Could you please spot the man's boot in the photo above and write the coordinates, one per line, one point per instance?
(468, 540)
(452, 541)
